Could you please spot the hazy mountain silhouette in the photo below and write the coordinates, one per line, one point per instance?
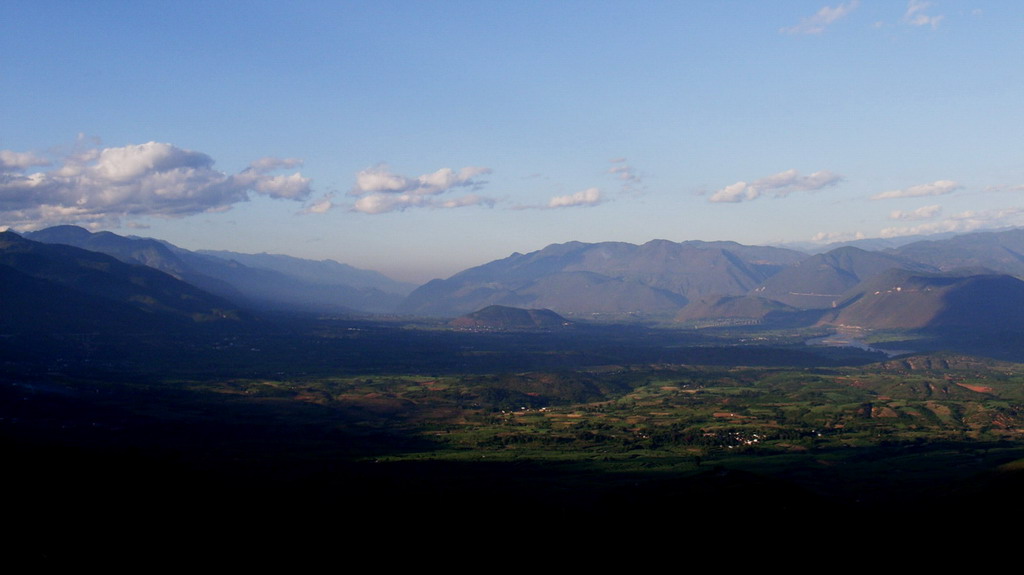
(317, 272)
(51, 287)
(1001, 252)
(260, 281)
(713, 280)
(910, 300)
(738, 310)
(149, 252)
(820, 280)
(658, 277)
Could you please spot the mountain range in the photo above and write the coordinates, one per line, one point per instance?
(257, 281)
(957, 280)
(608, 278)
(51, 288)
(818, 281)
(904, 299)
(707, 282)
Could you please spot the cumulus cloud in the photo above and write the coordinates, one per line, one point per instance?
(923, 213)
(968, 221)
(781, 185)
(821, 19)
(10, 160)
(379, 190)
(915, 14)
(936, 188)
(588, 197)
(103, 186)
(735, 193)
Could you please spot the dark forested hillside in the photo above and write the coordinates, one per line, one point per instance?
(261, 281)
(55, 287)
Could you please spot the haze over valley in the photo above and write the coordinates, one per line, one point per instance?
(662, 281)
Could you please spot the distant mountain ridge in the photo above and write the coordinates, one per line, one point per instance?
(1001, 252)
(265, 282)
(820, 280)
(613, 278)
(153, 253)
(724, 283)
(324, 272)
(903, 299)
(694, 282)
(61, 288)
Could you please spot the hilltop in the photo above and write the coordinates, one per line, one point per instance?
(499, 317)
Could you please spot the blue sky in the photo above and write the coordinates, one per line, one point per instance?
(421, 138)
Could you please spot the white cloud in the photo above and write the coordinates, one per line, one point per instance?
(446, 178)
(968, 221)
(381, 191)
(915, 15)
(383, 203)
(821, 19)
(470, 200)
(781, 185)
(830, 237)
(632, 183)
(321, 206)
(735, 193)
(791, 181)
(104, 186)
(936, 188)
(588, 197)
(130, 163)
(923, 213)
(379, 179)
(20, 160)
(263, 165)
